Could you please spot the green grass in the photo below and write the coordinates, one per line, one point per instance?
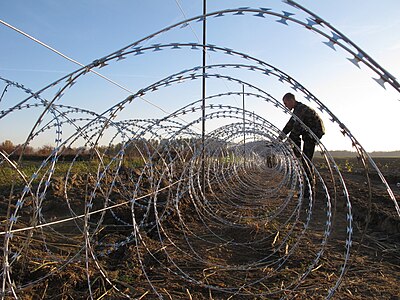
(33, 169)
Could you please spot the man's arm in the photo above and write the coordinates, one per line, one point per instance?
(289, 126)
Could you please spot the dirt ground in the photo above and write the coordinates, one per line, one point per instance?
(242, 243)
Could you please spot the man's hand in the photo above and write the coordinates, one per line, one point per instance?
(281, 137)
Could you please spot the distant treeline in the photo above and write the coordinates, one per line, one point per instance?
(62, 157)
(133, 149)
(345, 153)
(136, 149)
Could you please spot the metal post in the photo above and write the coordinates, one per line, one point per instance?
(254, 125)
(244, 131)
(203, 122)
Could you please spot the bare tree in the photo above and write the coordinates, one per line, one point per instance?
(7, 146)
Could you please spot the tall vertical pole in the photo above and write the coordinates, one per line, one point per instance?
(203, 121)
(244, 131)
(254, 125)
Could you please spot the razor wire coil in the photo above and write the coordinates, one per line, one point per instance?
(151, 208)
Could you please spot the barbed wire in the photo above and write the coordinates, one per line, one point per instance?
(132, 191)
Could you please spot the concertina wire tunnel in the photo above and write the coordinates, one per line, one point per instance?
(253, 189)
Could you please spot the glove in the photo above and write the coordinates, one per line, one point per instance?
(281, 137)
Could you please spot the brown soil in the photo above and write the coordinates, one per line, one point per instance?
(199, 253)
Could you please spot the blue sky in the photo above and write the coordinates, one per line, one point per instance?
(88, 30)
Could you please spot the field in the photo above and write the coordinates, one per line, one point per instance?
(151, 235)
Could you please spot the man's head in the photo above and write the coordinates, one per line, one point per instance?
(289, 100)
